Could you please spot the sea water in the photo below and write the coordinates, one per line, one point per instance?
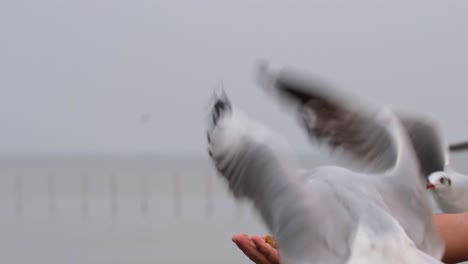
(121, 210)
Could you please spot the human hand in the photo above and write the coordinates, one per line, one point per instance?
(257, 249)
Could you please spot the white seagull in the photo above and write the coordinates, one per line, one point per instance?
(448, 187)
(339, 215)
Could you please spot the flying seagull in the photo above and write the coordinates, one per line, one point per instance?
(448, 187)
(337, 215)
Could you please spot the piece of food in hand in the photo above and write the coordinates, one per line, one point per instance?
(271, 241)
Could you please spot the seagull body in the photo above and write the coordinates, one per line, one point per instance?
(334, 215)
(448, 187)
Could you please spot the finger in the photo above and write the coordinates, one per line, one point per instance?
(252, 253)
(250, 250)
(243, 239)
(268, 251)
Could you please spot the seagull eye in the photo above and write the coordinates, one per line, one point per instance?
(442, 180)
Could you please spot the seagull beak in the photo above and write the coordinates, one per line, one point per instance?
(430, 185)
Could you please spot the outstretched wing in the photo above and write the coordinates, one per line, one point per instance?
(365, 133)
(257, 165)
(428, 141)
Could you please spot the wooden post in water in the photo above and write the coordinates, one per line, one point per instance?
(51, 194)
(84, 195)
(113, 194)
(144, 195)
(209, 196)
(176, 195)
(19, 195)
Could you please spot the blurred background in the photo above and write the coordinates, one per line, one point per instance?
(102, 106)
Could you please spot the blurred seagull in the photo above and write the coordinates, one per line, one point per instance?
(448, 187)
(338, 216)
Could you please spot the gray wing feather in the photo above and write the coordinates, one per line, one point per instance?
(342, 121)
(257, 165)
(335, 118)
(428, 142)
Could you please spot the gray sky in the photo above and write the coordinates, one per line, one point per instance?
(76, 76)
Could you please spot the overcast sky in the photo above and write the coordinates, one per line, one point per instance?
(115, 77)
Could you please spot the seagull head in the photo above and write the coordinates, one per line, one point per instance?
(439, 180)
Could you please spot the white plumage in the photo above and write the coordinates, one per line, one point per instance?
(334, 215)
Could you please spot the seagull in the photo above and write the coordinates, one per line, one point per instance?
(337, 215)
(448, 187)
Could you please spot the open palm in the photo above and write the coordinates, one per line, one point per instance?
(257, 249)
